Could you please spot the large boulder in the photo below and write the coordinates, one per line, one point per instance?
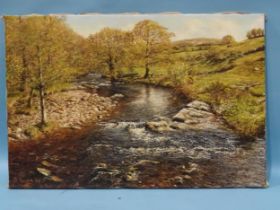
(193, 112)
(117, 96)
(178, 125)
(199, 105)
(181, 116)
(187, 114)
(196, 115)
(158, 126)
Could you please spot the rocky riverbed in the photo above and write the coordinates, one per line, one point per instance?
(195, 115)
(154, 139)
(69, 109)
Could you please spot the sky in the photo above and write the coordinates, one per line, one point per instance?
(184, 26)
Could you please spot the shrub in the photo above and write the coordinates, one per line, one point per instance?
(188, 90)
(216, 92)
(36, 131)
(246, 115)
(33, 131)
(228, 39)
(255, 33)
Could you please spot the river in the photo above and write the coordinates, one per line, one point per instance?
(121, 153)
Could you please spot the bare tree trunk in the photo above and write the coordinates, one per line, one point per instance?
(41, 92)
(147, 71)
(147, 55)
(42, 105)
(30, 98)
(112, 71)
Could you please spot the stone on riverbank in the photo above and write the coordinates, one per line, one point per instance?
(69, 109)
(44, 171)
(199, 105)
(196, 115)
(117, 96)
(194, 109)
(159, 126)
(189, 114)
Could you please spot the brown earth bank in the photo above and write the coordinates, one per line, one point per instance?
(29, 160)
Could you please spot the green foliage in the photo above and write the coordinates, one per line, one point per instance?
(41, 54)
(228, 39)
(255, 33)
(36, 131)
(216, 92)
(247, 115)
(108, 48)
(231, 79)
(44, 55)
(152, 44)
(38, 42)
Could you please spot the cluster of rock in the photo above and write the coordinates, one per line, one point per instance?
(103, 173)
(69, 109)
(196, 115)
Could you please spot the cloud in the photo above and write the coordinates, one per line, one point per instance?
(184, 26)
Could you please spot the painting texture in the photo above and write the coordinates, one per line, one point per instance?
(136, 100)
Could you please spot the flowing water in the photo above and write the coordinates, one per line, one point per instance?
(121, 152)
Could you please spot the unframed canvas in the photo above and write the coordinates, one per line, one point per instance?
(136, 100)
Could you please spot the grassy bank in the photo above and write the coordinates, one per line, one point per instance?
(229, 77)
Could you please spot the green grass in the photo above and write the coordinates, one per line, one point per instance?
(242, 104)
(230, 78)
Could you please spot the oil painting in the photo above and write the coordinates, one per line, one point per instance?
(136, 100)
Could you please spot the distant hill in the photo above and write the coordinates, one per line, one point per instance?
(198, 41)
(185, 43)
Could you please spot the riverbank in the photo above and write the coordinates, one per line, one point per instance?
(229, 78)
(234, 112)
(70, 109)
(154, 139)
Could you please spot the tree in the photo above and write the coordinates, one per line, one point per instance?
(152, 43)
(228, 39)
(255, 33)
(40, 52)
(107, 49)
(15, 55)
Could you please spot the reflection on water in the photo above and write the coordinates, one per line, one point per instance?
(144, 102)
(153, 101)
